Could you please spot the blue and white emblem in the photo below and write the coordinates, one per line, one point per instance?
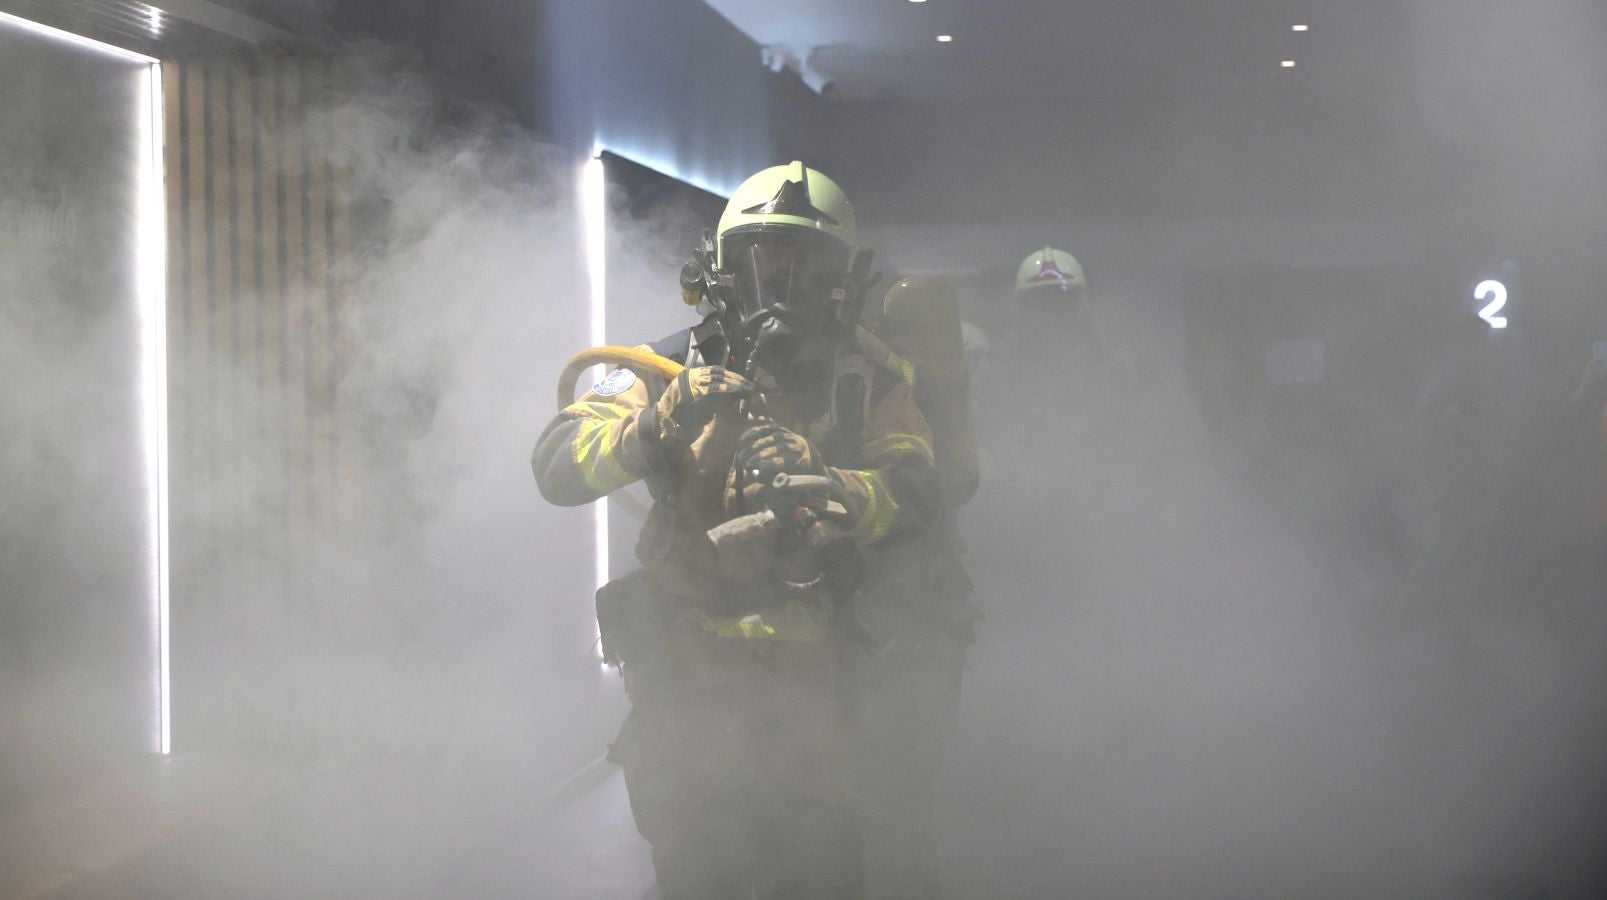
(619, 381)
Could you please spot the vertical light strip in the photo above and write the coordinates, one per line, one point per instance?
(152, 269)
(150, 264)
(593, 206)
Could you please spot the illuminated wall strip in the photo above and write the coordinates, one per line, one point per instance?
(151, 295)
(69, 37)
(592, 204)
(151, 290)
(153, 305)
(706, 184)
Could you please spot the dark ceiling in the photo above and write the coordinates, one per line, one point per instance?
(1475, 110)
(1020, 49)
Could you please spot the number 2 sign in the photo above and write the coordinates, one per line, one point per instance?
(1494, 296)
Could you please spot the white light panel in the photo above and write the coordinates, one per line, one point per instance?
(69, 37)
(706, 182)
(593, 205)
(151, 296)
(153, 307)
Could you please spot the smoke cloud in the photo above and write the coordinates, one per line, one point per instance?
(1259, 622)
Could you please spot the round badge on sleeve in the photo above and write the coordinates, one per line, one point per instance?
(619, 381)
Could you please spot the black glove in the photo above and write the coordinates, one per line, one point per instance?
(690, 400)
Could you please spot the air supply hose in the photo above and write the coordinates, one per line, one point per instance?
(642, 362)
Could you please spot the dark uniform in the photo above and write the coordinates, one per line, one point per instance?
(740, 759)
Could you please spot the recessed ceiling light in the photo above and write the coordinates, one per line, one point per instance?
(945, 38)
(1288, 64)
(917, 1)
(1294, 28)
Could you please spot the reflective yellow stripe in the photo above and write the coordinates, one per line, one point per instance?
(876, 519)
(595, 409)
(906, 369)
(609, 411)
(594, 456)
(795, 620)
(900, 443)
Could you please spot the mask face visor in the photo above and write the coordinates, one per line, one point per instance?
(784, 273)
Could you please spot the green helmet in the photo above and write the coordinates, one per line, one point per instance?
(786, 198)
(1051, 270)
(783, 252)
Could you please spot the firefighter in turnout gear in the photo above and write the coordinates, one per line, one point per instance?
(1054, 319)
(787, 451)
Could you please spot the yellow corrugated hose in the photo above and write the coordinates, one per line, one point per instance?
(642, 362)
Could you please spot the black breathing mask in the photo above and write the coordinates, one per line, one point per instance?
(782, 286)
(784, 298)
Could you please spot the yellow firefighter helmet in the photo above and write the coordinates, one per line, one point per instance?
(1050, 270)
(786, 198)
(785, 242)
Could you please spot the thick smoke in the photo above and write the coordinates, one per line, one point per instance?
(1221, 657)
(1180, 690)
(409, 633)
(71, 517)
(1345, 645)
(445, 594)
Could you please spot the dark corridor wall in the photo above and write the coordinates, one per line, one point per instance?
(260, 247)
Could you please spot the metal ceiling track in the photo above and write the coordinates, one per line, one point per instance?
(164, 29)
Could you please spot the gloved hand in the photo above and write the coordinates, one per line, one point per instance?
(770, 448)
(763, 451)
(691, 399)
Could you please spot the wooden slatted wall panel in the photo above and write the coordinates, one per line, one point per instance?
(260, 239)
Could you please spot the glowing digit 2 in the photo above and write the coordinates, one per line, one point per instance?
(1495, 292)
